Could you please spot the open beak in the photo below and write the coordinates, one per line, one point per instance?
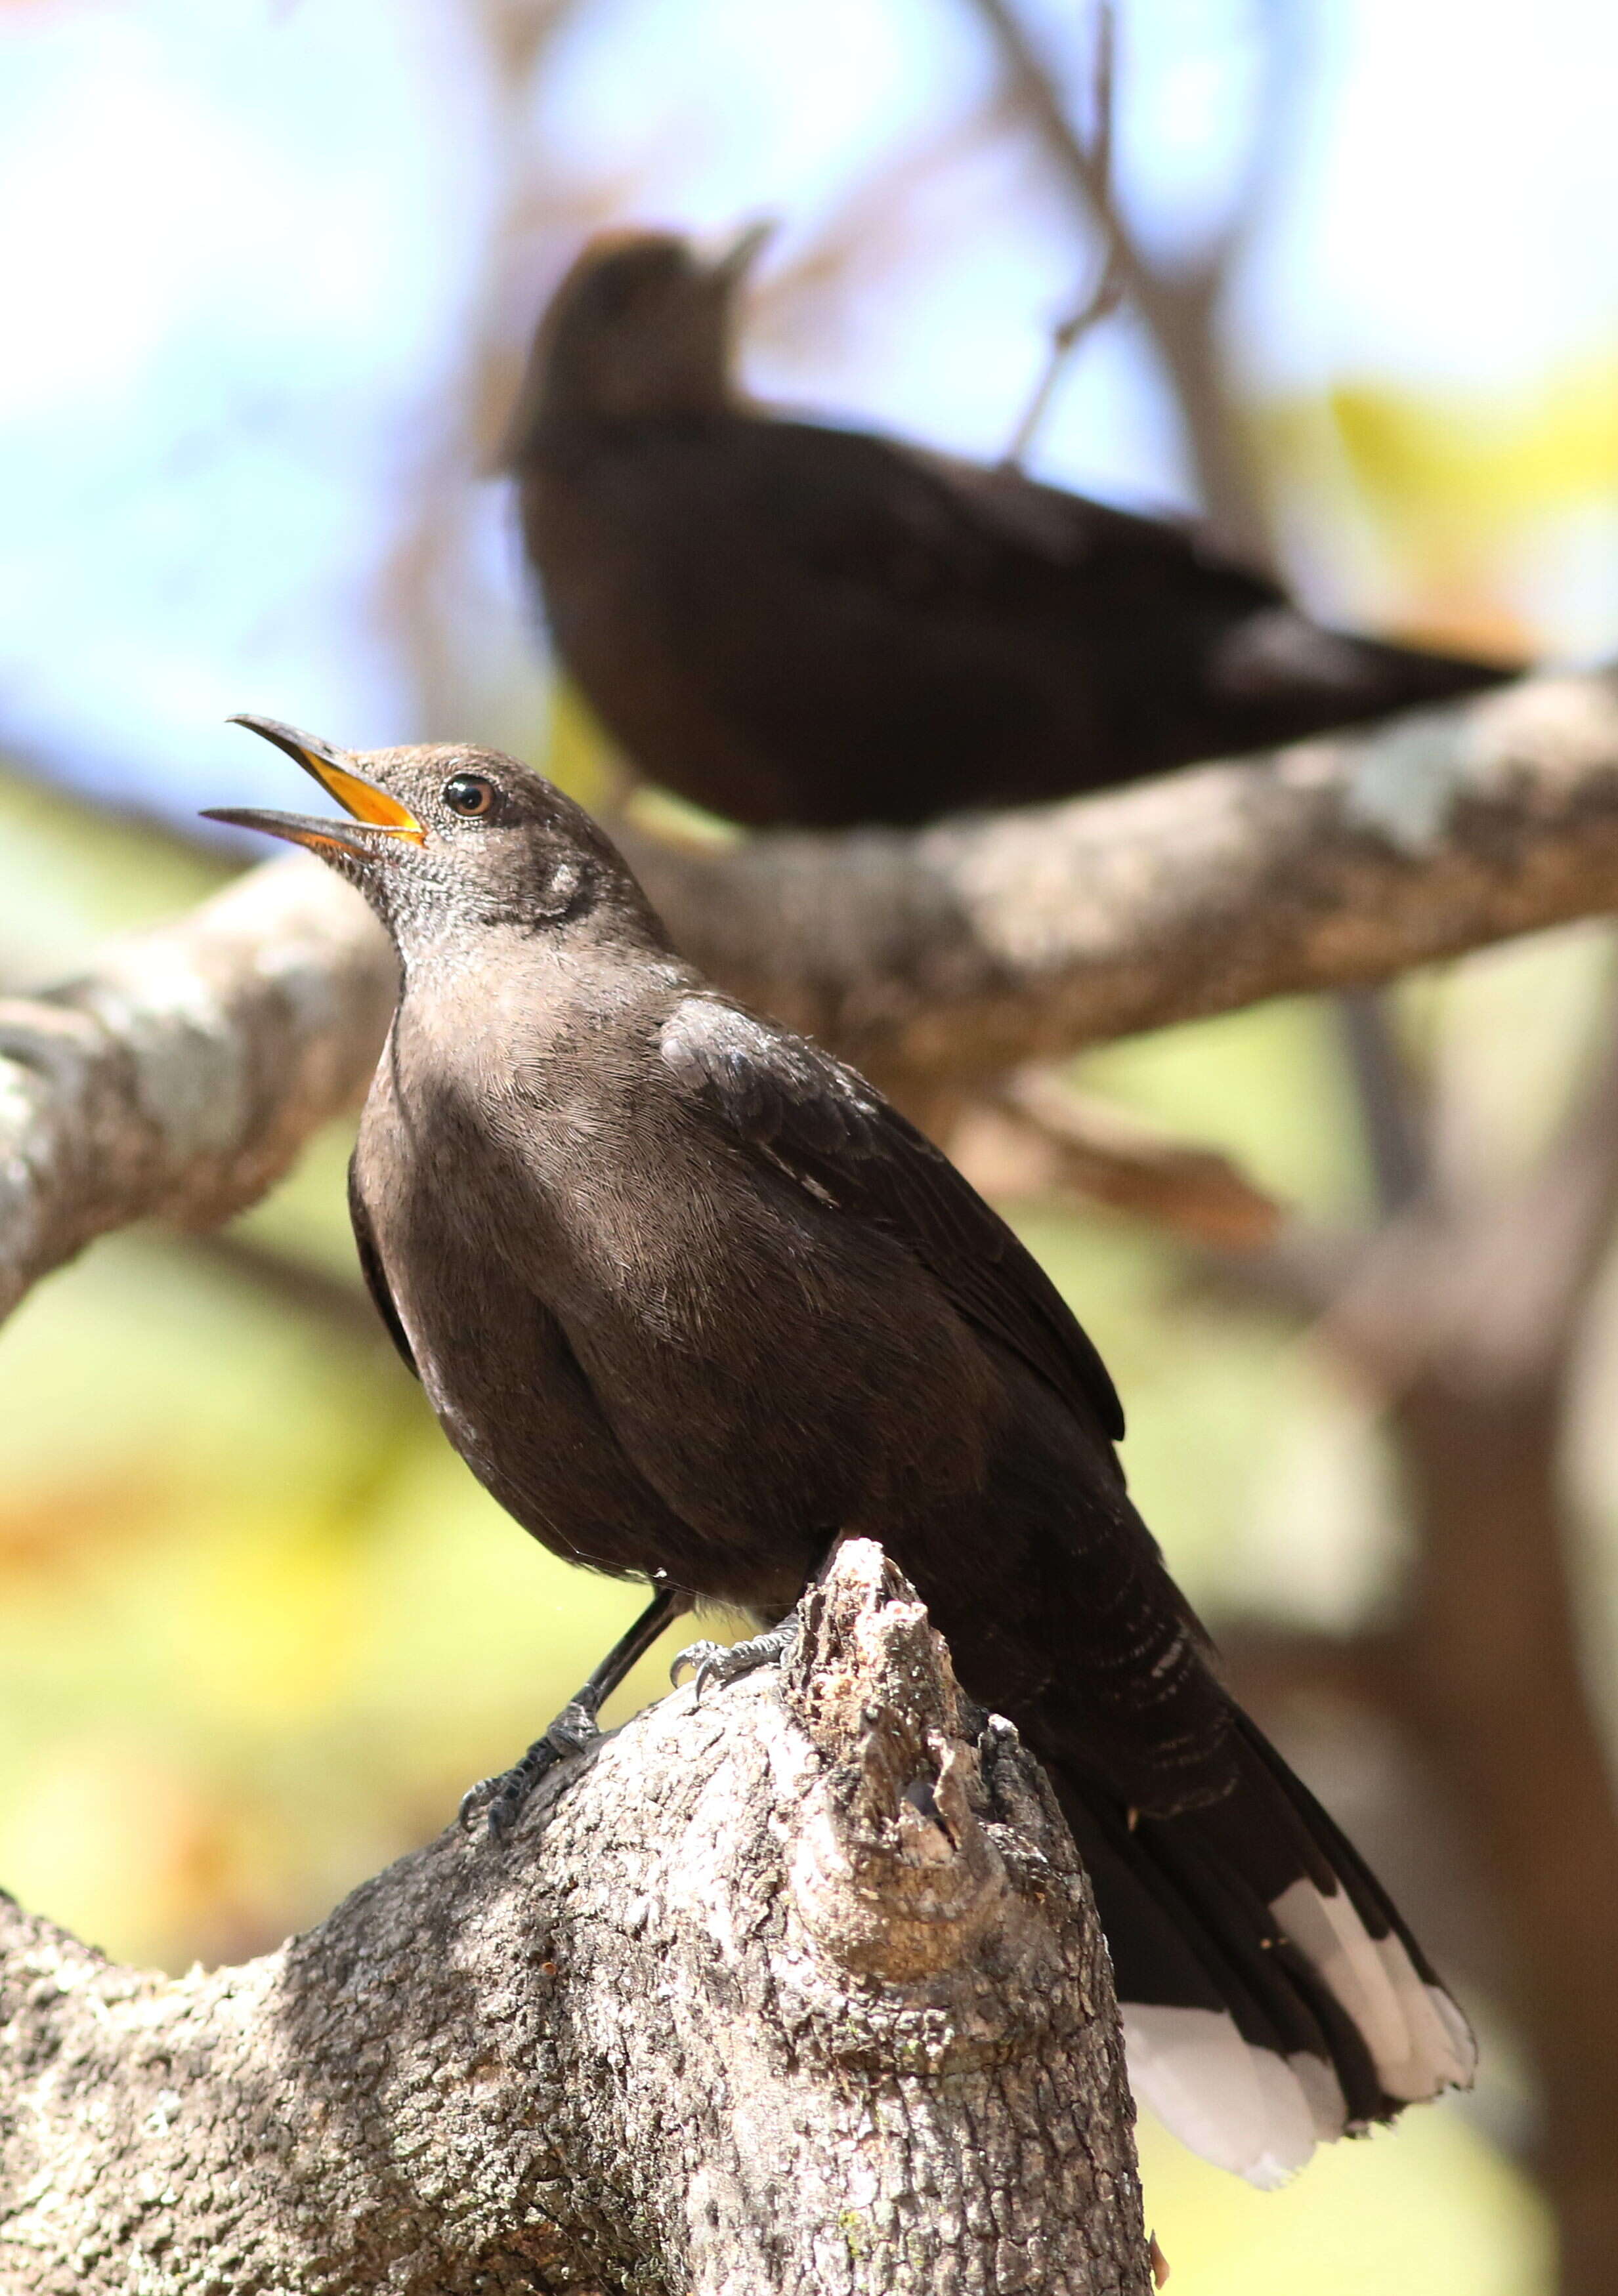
(378, 818)
(731, 266)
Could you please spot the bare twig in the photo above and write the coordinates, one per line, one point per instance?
(1099, 304)
(300, 1285)
(1395, 1135)
(1176, 303)
(879, 220)
(1034, 1135)
(1103, 299)
(1478, 1292)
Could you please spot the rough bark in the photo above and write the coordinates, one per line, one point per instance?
(955, 953)
(800, 1990)
(181, 1074)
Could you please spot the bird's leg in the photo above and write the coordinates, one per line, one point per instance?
(502, 1798)
(723, 1663)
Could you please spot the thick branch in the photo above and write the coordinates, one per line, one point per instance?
(181, 1074)
(799, 1990)
(959, 951)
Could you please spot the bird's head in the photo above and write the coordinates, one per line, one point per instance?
(446, 841)
(641, 326)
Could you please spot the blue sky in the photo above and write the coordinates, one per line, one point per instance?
(251, 241)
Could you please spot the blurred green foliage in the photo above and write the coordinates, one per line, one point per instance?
(1462, 516)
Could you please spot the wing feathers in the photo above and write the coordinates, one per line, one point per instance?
(1271, 1996)
(785, 1099)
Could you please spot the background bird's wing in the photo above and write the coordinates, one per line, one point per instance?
(901, 518)
(371, 1267)
(807, 1115)
(1075, 531)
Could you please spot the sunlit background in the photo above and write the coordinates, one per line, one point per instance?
(269, 269)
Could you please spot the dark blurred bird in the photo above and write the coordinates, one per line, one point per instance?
(693, 1301)
(788, 623)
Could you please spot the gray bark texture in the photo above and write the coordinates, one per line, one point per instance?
(798, 1990)
(182, 1073)
(940, 957)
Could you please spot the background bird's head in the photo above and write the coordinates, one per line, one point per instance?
(446, 842)
(641, 326)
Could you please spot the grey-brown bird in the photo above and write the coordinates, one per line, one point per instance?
(791, 623)
(693, 1301)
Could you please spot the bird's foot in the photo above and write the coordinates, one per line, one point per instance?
(501, 1799)
(724, 1663)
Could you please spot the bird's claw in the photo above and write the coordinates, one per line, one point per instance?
(726, 1664)
(501, 1798)
(699, 1657)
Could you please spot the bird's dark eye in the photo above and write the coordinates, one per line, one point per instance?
(469, 793)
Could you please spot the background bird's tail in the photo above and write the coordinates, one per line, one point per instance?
(1271, 1996)
(1414, 675)
(1294, 676)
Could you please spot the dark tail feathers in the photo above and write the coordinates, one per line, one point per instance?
(1272, 1998)
(1292, 677)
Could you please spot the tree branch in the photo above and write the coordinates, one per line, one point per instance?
(1500, 1695)
(955, 953)
(1177, 303)
(180, 1074)
(800, 1989)
(1093, 156)
(1467, 1313)
(1034, 1136)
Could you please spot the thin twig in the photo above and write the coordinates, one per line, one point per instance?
(1104, 298)
(1033, 1135)
(1176, 303)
